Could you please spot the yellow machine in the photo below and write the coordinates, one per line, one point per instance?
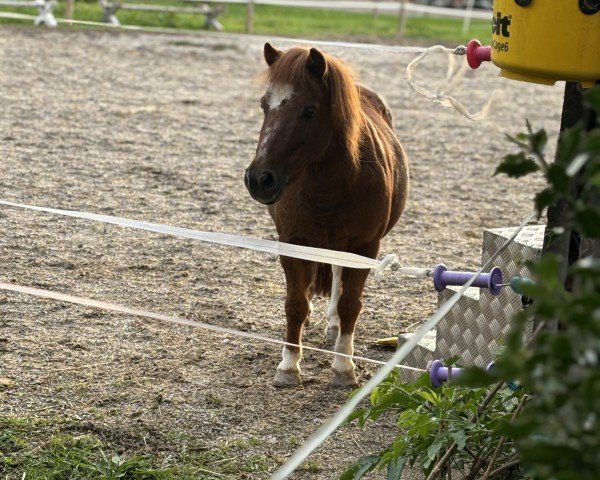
(543, 41)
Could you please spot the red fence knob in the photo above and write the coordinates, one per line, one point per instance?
(477, 54)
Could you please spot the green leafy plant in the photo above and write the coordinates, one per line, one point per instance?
(431, 421)
(546, 425)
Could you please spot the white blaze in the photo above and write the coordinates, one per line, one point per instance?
(262, 148)
(277, 93)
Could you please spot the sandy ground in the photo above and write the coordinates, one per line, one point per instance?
(161, 128)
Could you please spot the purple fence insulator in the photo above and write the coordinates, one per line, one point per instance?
(439, 374)
(442, 277)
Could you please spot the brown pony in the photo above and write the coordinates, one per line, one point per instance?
(334, 175)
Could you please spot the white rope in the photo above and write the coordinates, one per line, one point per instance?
(345, 410)
(321, 255)
(452, 77)
(87, 302)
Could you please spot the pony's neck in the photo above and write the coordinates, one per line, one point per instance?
(338, 162)
(344, 150)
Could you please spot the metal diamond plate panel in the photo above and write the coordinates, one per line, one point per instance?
(474, 327)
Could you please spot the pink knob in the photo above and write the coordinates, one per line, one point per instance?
(477, 54)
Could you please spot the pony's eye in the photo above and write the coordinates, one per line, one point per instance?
(263, 105)
(309, 112)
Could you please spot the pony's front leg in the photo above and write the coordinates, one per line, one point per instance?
(349, 306)
(299, 277)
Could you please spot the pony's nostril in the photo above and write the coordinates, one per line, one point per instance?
(266, 180)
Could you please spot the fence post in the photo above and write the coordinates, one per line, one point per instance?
(70, 9)
(250, 17)
(558, 239)
(468, 14)
(402, 19)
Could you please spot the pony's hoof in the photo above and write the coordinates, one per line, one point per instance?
(286, 378)
(344, 379)
(331, 333)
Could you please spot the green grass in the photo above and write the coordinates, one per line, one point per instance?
(300, 22)
(58, 449)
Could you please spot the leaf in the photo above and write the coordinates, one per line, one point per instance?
(361, 468)
(592, 98)
(538, 141)
(460, 437)
(395, 468)
(592, 142)
(429, 396)
(543, 199)
(517, 165)
(434, 448)
(594, 180)
(519, 428)
(474, 377)
(558, 178)
(568, 145)
(588, 222)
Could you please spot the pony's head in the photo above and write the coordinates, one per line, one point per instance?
(311, 104)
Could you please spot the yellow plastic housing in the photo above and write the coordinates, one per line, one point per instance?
(546, 41)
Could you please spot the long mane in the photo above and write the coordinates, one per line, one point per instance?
(346, 111)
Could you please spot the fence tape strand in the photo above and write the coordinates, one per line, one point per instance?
(321, 255)
(87, 302)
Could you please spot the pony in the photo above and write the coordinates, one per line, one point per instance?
(333, 174)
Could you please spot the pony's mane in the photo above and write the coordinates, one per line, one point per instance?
(344, 97)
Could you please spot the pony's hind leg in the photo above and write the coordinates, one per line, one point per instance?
(333, 318)
(299, 277)
(349, 306)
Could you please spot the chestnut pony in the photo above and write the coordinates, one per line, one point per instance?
(334, 175)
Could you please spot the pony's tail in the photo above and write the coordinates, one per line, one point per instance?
(323, 280)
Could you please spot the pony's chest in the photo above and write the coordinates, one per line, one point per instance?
(327, 220)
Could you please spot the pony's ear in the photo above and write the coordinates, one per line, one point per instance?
(271, 54)
(316, 63)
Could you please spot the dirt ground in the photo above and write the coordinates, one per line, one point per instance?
(160, 128)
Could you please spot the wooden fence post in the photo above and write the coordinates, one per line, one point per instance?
(402, 19)
(558, 239)
(250, 17)
(70, 10)
(468, 14)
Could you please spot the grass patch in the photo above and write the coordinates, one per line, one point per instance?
(296, 22)
(50, 450)
(38, 450)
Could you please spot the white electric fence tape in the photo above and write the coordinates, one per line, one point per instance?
(321, 255)
(345, 410)
(87, 302)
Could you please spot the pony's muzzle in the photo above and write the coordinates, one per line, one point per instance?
(263, 185)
